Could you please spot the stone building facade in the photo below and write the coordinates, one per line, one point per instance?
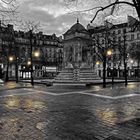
(128, 33)
(16, 44)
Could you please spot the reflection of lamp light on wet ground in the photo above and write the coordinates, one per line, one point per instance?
(10, 85)
(108, 116)
(13, 102)
(31, 104)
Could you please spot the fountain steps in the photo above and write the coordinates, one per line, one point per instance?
(84, 75)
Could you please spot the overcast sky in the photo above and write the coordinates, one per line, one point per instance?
(53, 16)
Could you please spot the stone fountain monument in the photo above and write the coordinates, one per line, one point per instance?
(78, 62)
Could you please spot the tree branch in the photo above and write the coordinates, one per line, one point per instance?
(30, 26)
(85, 10)
(112, 4)
(99, 56)
(6, 2)
(113, 8)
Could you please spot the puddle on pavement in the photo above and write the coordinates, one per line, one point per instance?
(117, 112)
(11, 85)
(15, 102)
(107, 116)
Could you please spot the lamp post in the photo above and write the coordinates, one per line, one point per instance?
(35, 53)
(110, 53)
(30, 63)
(98, 63)
(15, 53)
(9, 60)
(131, 70)
(16, 62)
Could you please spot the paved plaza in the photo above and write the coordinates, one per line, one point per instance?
(70, 112)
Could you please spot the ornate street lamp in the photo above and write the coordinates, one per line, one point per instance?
(29, 63)
(131, 61)
(36, 53)
(109, 52)
(11, 58)
(97, 62)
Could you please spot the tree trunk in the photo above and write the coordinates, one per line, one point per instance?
(138, 66)
(16, 71)
(113, 72)
(113, 76)
(16, 57)
(125, 72)
(104, 72)
(7, 69)
(31, 49)
(16, 64)
(124, 59)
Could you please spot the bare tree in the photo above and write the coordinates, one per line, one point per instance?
(103, 42)
(114, 56)
(7, 47)
(123, 49)
(31, 27)
(8, 13)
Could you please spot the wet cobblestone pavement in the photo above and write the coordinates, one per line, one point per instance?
(70, 113)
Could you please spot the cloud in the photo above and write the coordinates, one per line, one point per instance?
(50, 13)
(50, 10)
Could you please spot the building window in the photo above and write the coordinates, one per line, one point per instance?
(132, 36)
(119, 31)
(133, 44)
(119, 38)
(124, 30)
(138, 35)
(127, 37)
(102, 41)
